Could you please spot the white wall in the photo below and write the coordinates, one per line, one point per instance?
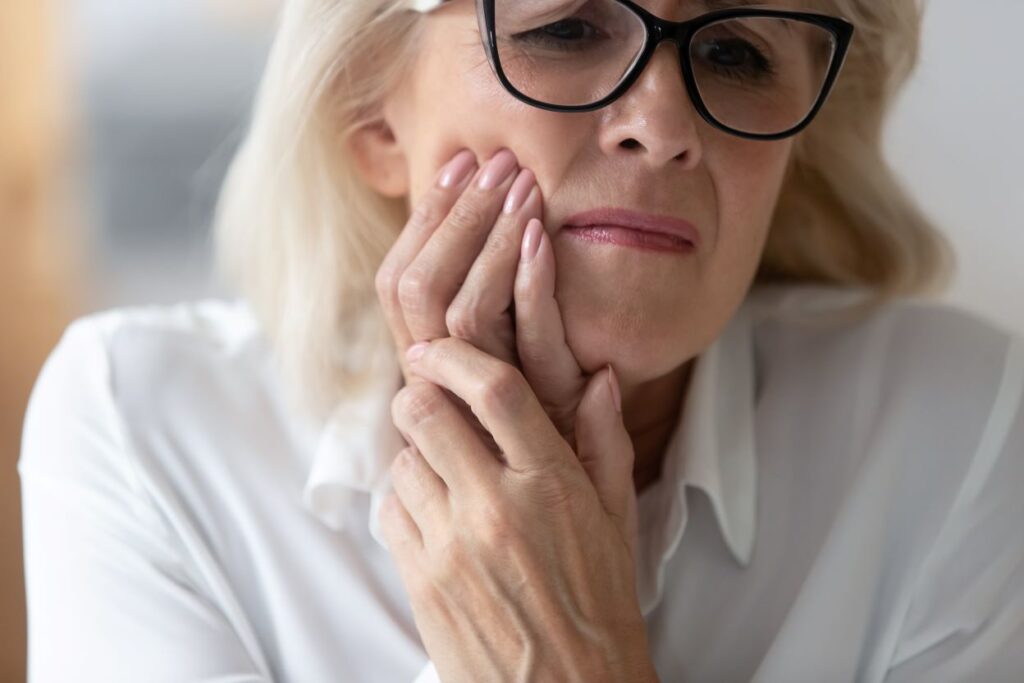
(957, 139)
(163, 88)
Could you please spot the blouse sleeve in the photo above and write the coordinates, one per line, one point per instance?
(966, 617)
(109, 594)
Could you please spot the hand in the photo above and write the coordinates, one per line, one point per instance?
(454, 271)
(520, 570)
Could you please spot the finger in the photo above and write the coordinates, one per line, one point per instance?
(548, 363)
(430, 283)
(467, 413)
(500, 398)
(401, 535)
(632, 520)
(480, 312)
(605, 449)
(424, 495)
(447, 441)
(432, 209)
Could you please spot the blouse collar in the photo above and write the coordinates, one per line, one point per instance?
(712, 446)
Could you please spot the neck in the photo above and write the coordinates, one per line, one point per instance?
(651, 411)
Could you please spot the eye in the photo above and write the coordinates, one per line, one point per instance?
(560, 34)
(734, 57)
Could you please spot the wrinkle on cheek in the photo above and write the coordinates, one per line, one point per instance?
(492, 99)
(746, 179)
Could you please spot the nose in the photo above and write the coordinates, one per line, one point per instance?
(655, 118)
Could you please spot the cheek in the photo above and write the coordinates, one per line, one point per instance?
(474, 111)
(747, 177)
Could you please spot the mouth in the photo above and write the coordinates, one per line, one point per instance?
(633, 228)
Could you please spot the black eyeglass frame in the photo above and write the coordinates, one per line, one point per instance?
(681, 33)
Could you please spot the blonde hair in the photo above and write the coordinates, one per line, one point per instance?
(301, 236)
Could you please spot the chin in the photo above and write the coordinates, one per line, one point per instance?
(640, 351)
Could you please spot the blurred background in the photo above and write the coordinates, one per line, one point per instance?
(118, 119)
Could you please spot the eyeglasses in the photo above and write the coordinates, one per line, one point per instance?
(757, 73)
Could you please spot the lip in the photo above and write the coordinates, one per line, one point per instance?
(635, 220)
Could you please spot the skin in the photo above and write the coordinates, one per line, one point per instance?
(647, 315)
(453, 276)
(521, 570)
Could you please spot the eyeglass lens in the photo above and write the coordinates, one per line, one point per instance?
(759, 75)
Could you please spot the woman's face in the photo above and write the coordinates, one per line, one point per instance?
(648, 312)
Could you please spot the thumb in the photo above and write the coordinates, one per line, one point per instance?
(604, 448)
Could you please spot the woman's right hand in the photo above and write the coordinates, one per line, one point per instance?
(455, 271)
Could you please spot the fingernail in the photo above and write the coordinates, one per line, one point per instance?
(497, 170)
(520, 191)
(613, 384)
(457, 170)
(531, 240)
(414, 352)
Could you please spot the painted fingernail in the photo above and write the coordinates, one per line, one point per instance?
(457, 170)
(520, 191)
(414, 352)
(497, 170)
(613, 384)
(531, 240)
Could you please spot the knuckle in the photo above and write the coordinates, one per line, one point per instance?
(389, 519)
(419, 402)
(427, 212)
(466, 215)
(560, 411)
(414, 287)
(500, 536)
(386, 283)
(553, 492)
(401, 462)
(536, 355)
(564, 421)
(498, 243)
(463, 320)
(504, 389)
(492, 526)
(421, 588)
(449, 560)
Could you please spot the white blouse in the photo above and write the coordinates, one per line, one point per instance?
(839, 502)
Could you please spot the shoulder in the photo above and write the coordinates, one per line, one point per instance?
(934, 392)
(930, 394)
(168, 359)
(211, 324)
(911, 347)
(125, 506)
(128, 350)
(160, 333)
(133, 365)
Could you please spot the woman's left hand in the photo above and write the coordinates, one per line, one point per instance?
(519, 570)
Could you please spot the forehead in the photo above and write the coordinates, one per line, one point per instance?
(670, 9)
(667, 8)
(677, 10)
(710, 5)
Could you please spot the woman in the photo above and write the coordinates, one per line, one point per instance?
(622, 263)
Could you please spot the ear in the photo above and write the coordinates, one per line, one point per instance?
(380, 158)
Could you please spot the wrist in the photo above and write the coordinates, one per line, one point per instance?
(640, 666)
(650, 675)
